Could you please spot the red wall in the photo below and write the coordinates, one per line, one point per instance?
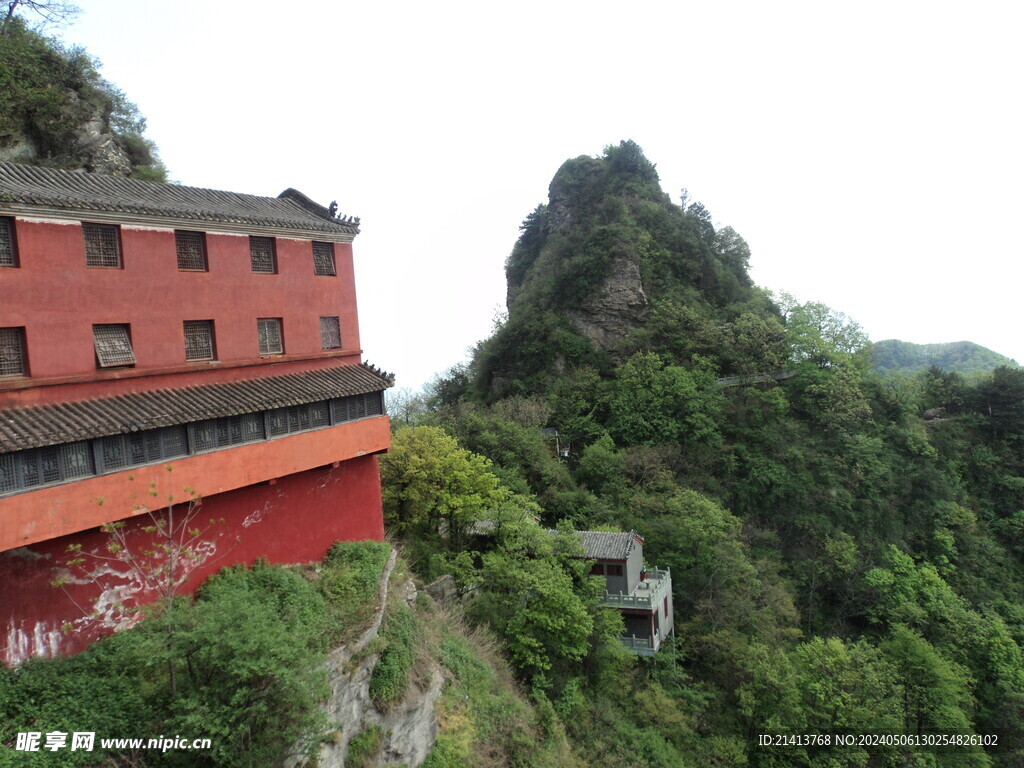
(59, 510)
(57, 298)
(294, 520)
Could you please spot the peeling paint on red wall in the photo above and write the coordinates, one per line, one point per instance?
(295, 520)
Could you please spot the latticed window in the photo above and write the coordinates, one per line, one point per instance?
(199, 340)
(153, 445)
(191, 248)
(211, 434)
(269, 329)
(12, 352)
(323, 258)
(330, 333)
(261, 250)
(41, 466)
(8, 258)
(101, 245)
(113, 345)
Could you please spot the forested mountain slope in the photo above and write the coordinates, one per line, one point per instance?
(964, 357)
(841, 564)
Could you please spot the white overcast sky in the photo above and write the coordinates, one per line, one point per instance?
(870, 153)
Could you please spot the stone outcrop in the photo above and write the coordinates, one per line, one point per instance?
(410, 726)
(608, 315)
(99, 152)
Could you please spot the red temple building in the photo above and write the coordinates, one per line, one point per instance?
(159, 341)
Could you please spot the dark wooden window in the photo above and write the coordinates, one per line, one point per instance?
(597, 570)
(191, 247)
(8, 254)
(263, 255)
(113, 346)
(12, 352)
(323, 259)
(269, 330)
(131, 450)
(613, 570)
(102, 246)
(374, 403)
(357, 406)
(298, 418)
(41, 466)
(211, 434)
(330, 333)
(21, 470)
(199, 340)
(666, 606)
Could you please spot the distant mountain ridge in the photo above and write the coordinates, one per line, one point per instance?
(966, 357)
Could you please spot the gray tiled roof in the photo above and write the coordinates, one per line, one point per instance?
(41, 425)
(92, 195)
(601, 545)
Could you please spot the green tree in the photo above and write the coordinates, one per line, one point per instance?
(430, 483)
(655, 403)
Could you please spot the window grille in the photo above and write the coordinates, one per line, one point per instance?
(230, 430)
(261, 251)
(374, 403)
(357, 407)
(8, 473)
(269, 331)
(319, 415)
(191, 250)
(131, 450)
(199, 340)
(101, 246)
(323, 259)
(330, 333)
(7, 256)
(41, 466)
(27, 469)
(12, 352)
(113, 345)
(277, 422)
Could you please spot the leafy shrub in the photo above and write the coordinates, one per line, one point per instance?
(349, 582)
(390, 678)
(364, 747)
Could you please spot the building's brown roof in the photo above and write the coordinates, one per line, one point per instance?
(41, 425)
(25, 188)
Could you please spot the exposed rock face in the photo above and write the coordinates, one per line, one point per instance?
(100, 153)
(609, 314)
(410, 725)
(23, 151)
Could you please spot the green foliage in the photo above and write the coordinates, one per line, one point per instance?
(390, 678)
(364, 747)
(963, 357)
(531, 599)
(248, 655)
(655, 403)
(49, 93)
(349, 581)
(94, 689)
(428, 480)
(847, 550)
(484, 721)
(253, 649)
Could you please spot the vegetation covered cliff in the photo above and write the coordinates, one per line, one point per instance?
(57, 110)
(845, 548)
